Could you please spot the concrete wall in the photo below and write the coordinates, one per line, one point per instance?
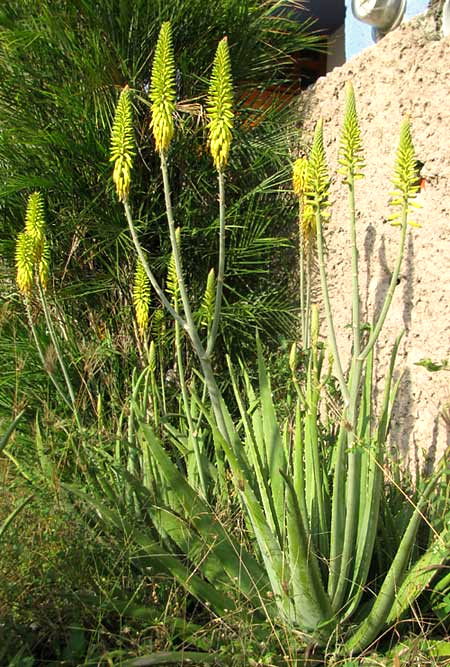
(408, 72)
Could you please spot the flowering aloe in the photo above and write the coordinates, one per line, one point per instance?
(162, 89)
(122, 144)
(32, 249)
(405, 176)
(220, 106)
(350, 153)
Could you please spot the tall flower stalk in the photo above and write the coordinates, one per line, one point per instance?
(162, 94)
(220, 109)
(32, 263)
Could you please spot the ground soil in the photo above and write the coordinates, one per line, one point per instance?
(406, 73)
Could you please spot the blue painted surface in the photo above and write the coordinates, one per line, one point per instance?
(358, 35)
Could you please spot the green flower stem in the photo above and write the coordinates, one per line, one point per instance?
(356, 310)
(53, 336)
(221, 269)
(393, 284)
(187, 409)
(309, 258)
(328, 314)
(301, 268)
(189, 324)
(353, 456)
(55, 382)
(164, 300)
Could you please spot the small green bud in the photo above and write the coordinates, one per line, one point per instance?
(152, 357)
(141, 297)
(209, 300)
(293, 359)
(172, 278)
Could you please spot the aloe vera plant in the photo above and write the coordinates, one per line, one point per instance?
(311, 503)
(313, 514)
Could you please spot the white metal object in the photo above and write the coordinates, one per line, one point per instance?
(382, 15)
(446, 18)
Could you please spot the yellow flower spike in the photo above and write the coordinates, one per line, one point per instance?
(35, 224)
(44, 264)
(141, 297)
(317, 179)
(122, 145)
(220, 106)
(350, 152)
(162, 89)
(405, 175)
(24, 262)
(299, 171)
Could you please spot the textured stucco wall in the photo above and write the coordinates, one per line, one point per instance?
(408, 72)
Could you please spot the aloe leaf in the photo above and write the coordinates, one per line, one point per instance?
(315, 476)
(273, 441)
(10, 518)
(369, 628)
(154, 557)
(276, 567)
(420, 575)
(311, 603)
(10, 430)
(238, 564)
(255, 450)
